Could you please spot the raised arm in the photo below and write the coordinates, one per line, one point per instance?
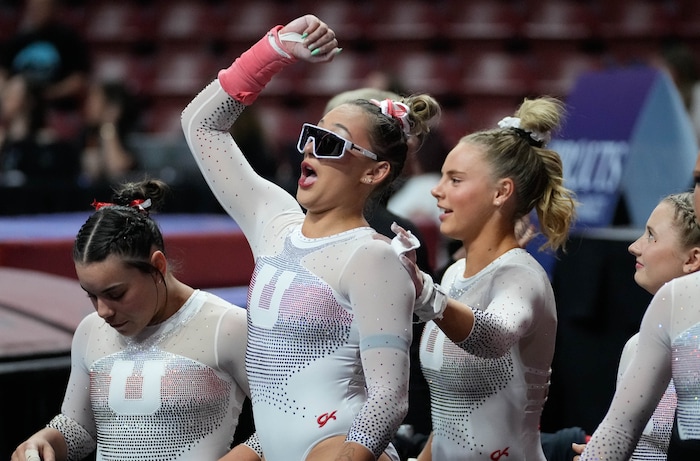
(206, 121)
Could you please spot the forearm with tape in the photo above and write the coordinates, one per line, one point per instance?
(247, 76)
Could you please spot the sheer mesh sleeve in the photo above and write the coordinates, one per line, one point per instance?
(381, 294)
(640, 388)
(509, 315)
(231, 343)
(248, 198)
(76, 422)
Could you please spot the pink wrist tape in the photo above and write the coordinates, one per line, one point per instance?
(250, 72)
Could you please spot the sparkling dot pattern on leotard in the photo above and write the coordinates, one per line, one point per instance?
(310, 324)
(455, 398)
(78, 441)
(670, 331)
(487, 391)
(330, 394)
(686, 378)
(191, 396)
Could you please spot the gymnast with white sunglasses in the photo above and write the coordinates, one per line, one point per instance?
(329, 304)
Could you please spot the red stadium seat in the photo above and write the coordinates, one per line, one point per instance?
(496, 73)
(114, 23)
(9, 17)
(346, 72)
(636, 19)
(348, 19)
(688, 24)
(136, 72)
(189, 20)
(565, 20)
(247, 22)
(163, 116)
(281, 124)
(426, 72)
(453, 124)
(406, 20)
(484, 112)
(483, 20)
(183, 72)
(556, 72)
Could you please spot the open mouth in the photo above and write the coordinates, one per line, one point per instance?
(444, 212)
(308, 175)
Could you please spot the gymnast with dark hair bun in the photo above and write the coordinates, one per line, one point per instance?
(157, 371)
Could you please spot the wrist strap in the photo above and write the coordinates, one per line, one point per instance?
(427, 293)
(250, 72)
(439, 301)
(432, 301)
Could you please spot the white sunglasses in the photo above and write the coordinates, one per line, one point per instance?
(326, 144)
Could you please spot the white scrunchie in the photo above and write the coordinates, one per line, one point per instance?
(514, 122)
(396, 110)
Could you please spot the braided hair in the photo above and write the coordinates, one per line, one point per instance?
(124, 227)
(684, 218)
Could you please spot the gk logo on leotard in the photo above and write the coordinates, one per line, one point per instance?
(498, 454)
(136, 394)
(324, 418)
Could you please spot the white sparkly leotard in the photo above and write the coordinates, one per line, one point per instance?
(487, 393)
(669, 339)
(653, 443)
(173, 392)
(329, 319)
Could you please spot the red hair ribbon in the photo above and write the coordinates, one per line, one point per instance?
(136, 203)
(396, 110)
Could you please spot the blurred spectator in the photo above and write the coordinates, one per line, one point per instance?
(413, 199)
(682, 65)
(249, 135)
(52, 57)
(111, 115)
(385, 81)
(30, 153)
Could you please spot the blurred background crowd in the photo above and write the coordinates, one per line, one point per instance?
(91, 91)
(91, 94)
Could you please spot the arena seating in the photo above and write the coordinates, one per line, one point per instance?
(167, 50)
(478, 57)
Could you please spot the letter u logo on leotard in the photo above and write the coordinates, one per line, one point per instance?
(265, 306)
(131, 394)
(431, 352)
